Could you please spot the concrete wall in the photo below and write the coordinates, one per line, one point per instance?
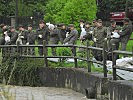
(91, 84)
(121, 90)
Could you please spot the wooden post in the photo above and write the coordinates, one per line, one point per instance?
(114, 62)
(88, 57)
(74, 56)
(18, 53)
(45, 54)
(105, 58)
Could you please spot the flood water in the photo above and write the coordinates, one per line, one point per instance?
(38, 93)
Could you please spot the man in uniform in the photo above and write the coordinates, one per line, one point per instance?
(62, 33)
(125, 34)
(88, 31)
(113, 38)
(42, 34)
(31, 37)
(54, 37)
(99, 34)
(72, 37)
(22, 38)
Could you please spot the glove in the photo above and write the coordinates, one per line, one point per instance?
(22, 37)
(81, 25)
(91, 32)
(95, 40)
(27, 43)
(5, 32)
(40, 36)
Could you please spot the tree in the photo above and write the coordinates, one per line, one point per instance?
(70, 11)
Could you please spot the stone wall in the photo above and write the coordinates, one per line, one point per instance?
(121, 90)
(93, 85)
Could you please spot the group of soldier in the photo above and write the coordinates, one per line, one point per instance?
(60, 33)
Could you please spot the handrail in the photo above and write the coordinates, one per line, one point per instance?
(87, 59)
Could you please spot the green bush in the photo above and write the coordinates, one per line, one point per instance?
(70, 11)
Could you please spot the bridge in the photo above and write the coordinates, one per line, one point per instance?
(93, 85)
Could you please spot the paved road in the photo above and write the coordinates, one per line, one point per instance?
(42, 93)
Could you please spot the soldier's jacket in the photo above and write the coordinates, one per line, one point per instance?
(100, 33)
(62, 35)
(31, 37)
(45, 35)
(13, 37)
(88, 34)
(54, 36)
(126, 33)
(110, 29)
(72, 37)
(24, 34)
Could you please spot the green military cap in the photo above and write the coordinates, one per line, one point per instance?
(70, 25)
(11, 27)
(81, 20)
(41, 22)
(126, 20)
(99, 20)
(87, 23)
(62, 24)
(21, 26)
(29, 25)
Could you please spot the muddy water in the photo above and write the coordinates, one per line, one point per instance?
(38, 93)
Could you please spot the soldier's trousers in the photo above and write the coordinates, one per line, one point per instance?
(53, 48)
(31, 51)
(123, 46)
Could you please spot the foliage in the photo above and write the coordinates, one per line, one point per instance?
(70, 11)
(24, 74)
(63, 52)
(107, 6)
(25, 7)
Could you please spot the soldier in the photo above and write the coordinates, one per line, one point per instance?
(54, 37)
(125, 34)
(72, 37)
(31, 37)
(113, 38)
(13, 35)
(22, 38)
(99, 34)
(88, 31)
(62, 34)
(42, 34)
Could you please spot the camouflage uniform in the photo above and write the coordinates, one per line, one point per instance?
(54, 39)
(100, 33)
(31, 37)
(72, 38)
(125, 36)
(45, 36)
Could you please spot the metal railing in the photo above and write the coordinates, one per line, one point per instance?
(74, 56)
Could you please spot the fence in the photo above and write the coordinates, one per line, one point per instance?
(87, 59)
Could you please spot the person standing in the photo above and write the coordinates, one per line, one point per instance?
(99, 34)
(31, 37)
(54, 37)
(72, 37)
(125, 34)
(42, 34)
